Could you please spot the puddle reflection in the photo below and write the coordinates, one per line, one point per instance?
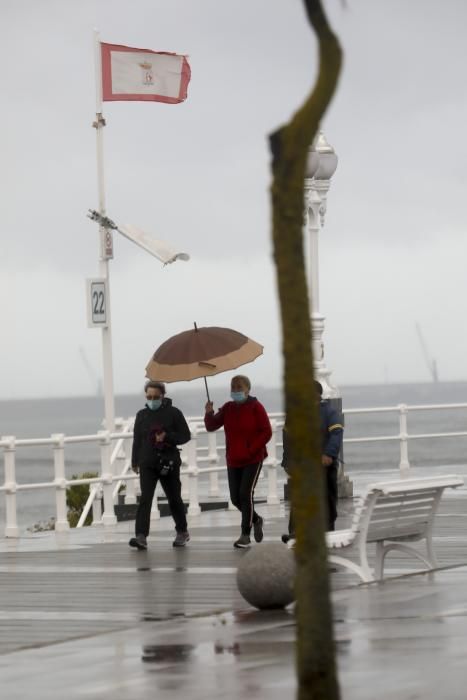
(162, 653)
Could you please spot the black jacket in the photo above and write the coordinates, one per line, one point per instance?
(147, 421)
(332, 432)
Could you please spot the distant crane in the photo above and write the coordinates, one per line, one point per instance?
(91, 372)
(429, 361)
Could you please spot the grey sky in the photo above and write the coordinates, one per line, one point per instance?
(394, 248)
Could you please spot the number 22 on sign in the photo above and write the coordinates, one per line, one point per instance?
(96, 296)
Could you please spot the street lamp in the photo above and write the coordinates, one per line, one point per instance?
(320, 167)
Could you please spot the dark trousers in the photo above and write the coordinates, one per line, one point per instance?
(242, 482)
(331, 499)
(172, 486)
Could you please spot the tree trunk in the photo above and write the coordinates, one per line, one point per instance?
(317, 679)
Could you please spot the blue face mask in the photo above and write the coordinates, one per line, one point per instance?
(153, 404)
(238, 396)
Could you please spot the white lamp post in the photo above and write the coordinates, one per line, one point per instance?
(321, 165)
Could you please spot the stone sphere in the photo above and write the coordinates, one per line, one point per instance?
(265, 576)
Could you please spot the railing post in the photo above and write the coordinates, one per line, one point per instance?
(271, 463)
(213, 461)
(193, 503)
(97, 507)
(155, 512)
(108, 516)
(119, 468)
(11, 525)
(186, 463)
(130, 486)
(404, 464)
(61, 522)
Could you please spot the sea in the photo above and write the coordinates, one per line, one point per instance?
(39, 418)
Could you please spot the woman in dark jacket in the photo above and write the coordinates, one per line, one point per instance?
(247, 431)
(158, 429)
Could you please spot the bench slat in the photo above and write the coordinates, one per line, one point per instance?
(418, 483)
(395, 532)
(404, 511)
(409, 497)
(394, 522)
(395, 512)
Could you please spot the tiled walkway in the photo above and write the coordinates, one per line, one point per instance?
(84, 616)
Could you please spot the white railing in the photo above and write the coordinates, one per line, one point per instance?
(201, 456)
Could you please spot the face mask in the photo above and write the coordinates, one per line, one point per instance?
(153, 404)
(238, 396)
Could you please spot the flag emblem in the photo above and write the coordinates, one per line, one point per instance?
(148, 78)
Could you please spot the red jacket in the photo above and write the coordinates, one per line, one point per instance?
(247, 431)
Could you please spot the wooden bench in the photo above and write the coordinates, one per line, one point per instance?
(391, 514)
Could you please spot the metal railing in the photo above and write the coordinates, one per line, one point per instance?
(201, 456)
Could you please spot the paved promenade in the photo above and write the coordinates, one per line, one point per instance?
(84, 616)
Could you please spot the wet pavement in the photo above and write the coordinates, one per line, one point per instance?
(84, 616)
(404, 639)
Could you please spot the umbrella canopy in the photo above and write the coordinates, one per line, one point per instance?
(201, 352)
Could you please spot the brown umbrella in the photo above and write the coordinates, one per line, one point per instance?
(201, 352)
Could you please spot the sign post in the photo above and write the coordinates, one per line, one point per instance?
(106, 252)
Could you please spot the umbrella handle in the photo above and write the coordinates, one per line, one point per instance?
(207, 390)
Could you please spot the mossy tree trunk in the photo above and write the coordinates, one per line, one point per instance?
(317, 678)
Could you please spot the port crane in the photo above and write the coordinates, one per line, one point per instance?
(429, 361)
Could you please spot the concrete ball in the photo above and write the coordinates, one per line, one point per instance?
(265, 576)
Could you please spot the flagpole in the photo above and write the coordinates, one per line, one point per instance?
(105, 245)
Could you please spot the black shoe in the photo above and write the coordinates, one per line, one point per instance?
(243, 542)
(287, 538)
(258, 529)
(139, 542)
(181, 539)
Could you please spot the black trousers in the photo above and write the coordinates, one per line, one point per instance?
(242, 482)
(331, 499)
(172, 486)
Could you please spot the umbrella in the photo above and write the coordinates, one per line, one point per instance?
(200, 353)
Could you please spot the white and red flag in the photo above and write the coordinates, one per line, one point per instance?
(142, 74)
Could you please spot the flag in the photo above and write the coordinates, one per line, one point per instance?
(142, 74)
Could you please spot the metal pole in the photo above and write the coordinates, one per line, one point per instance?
(213, 462)
(11, 526)
(273, 496)
(193, 503)
(105, 244)
(404, 464)
(61, 523)
(313, 206)
(108, 517)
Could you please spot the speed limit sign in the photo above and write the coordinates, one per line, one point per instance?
(96, 293)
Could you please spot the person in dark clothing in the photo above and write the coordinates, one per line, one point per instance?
(247, 431)
(158, 429)
(332, 431)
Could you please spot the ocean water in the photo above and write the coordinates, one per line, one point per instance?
(78, 416)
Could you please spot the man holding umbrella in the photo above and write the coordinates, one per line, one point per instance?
(158, 429)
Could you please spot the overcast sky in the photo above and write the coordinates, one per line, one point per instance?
(393, 251)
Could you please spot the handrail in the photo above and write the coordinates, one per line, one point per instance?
(200, 457)
(122, 435)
